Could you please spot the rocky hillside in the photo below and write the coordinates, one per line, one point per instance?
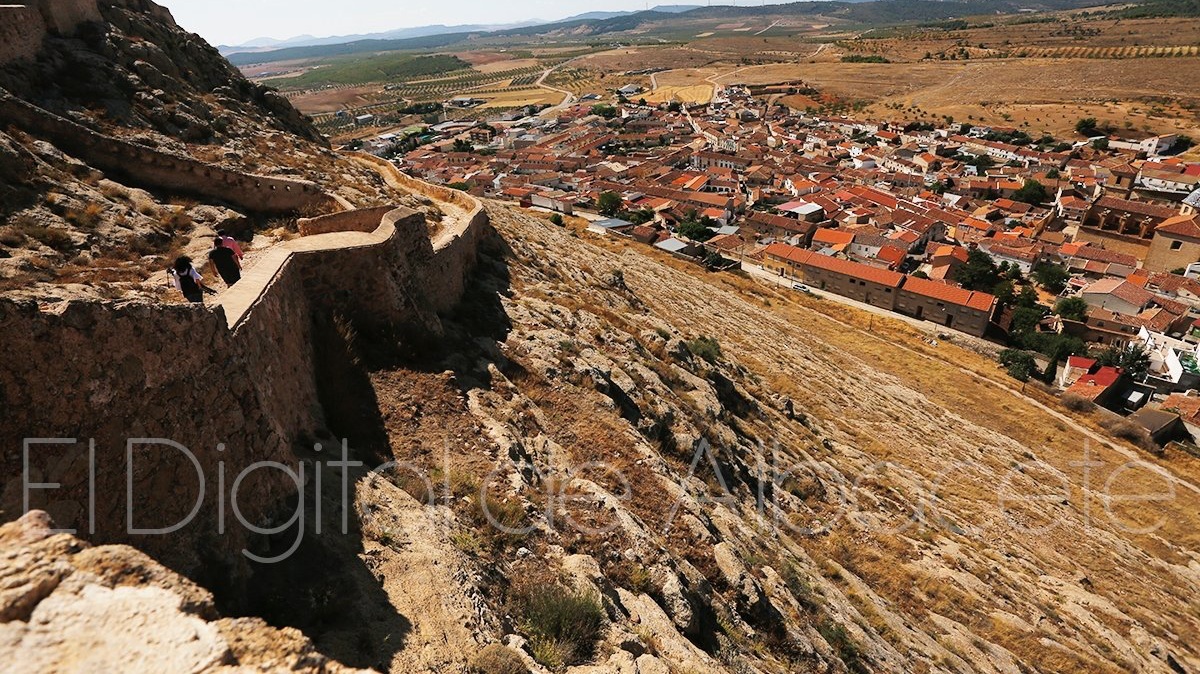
(70, 228)
(621, 464)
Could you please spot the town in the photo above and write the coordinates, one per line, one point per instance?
(1080, 255)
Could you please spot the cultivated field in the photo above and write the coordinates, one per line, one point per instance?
(1047, 95)
(688, 86)
(332, 100)
(519, 97)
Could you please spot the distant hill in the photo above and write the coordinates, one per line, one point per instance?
(266, 43)
(854, 12)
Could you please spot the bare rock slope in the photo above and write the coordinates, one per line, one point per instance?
(869, 502)
(68, 607)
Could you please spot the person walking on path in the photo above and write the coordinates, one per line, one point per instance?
(187, 280)
(224, 262)
(231, 243)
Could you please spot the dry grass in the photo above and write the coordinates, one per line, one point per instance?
(518, 97)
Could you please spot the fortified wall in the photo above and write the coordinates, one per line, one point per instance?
(236, 383)
(155, 168)
(24, 25)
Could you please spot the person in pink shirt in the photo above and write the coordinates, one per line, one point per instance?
(230, 243)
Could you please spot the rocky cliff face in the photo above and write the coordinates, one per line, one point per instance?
(138, 70)
(74, 225)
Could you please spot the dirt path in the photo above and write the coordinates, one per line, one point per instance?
(566, 102)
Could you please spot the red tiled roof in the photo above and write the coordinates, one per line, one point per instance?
(1183, 225)
(1122, 290)
(856, 270)
(834, 237)
(1092, 386)
(1081, 362)
(951, 294)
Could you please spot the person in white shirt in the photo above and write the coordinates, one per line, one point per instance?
(187, 280)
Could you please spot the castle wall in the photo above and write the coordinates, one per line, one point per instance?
(21, 32)
(150, 167)
(359, 220)
(241, 372)
(64, 16)
(456, 245)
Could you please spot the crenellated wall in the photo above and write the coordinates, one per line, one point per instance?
(240, 372)
(154, 168)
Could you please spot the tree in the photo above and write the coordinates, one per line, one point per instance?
(1052, 277)
(556, 219)
(604, 110)
(462, 145)
(1100, 144)
(1028, 298)
(1133, 359)
(1086, 126)
(978, 273)
(638, 217)
(1032, 192)
(1004, 292)
(694, 230)
(1025, 321)
(609, 203)
(1072, 308)
(1020, 365)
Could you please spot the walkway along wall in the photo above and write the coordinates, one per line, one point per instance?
(233, 382)
(155, 168)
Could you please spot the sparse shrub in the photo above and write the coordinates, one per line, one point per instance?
(662, 332)
(467, 541)
(502, 520)
(114, 191)
(175, 220)
(88, 216)
(1128, 430)
(836, 636)
(1077, 403)
(562, 625)
(49, 237)
(800, 585)
(707, 348)
(497, 659)
(10, 237)
(556, 219)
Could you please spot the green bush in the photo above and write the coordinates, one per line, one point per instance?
(707, 348)
(562, 625)
(836, 636)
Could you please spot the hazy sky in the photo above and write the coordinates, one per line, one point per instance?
(237, 21)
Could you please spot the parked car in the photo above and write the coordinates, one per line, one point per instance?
(801, 287)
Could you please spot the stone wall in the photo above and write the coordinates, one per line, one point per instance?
(21, 32)
(64, 16)
(154, 168)
(359, 220)
(455, 246)
(234, 382)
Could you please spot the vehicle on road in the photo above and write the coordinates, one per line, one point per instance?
(801, 287)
